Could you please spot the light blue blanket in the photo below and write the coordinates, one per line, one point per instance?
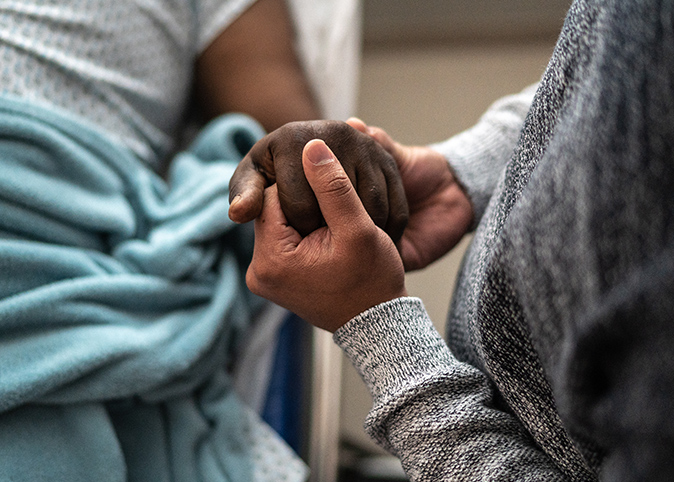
(121, 296)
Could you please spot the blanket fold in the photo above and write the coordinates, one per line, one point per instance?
(114, 285)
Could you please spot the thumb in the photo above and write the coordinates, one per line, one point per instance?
(357, 124)
(340, 205)
(246, 192)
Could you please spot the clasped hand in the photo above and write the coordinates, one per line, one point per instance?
(277, 159)
(341, 261)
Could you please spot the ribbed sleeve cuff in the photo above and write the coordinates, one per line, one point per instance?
(393, 344)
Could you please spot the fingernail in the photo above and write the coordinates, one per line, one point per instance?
(319, 153)
(236, 199)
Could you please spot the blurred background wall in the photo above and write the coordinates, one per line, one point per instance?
(430, 68)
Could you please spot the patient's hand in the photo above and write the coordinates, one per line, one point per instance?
(277, 158)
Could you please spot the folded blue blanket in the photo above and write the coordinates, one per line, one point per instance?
(121, 297)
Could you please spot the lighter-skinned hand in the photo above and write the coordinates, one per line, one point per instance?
(338, 270)
(440, 212)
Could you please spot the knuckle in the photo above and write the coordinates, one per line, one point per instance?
(338, 186)
(260, 276)
(288, 140)
(377, 196)
(334, 130)
(342, 139)
(303, 131)
(252, 282)
(382, 158)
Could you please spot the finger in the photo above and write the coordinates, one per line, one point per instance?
(382, 137)
(387, 142)
(399, 213)
(337, 198)
(271, 210)
(273, 237)
(357, 124)
(246, 187)
(246, 193)
(295, 195)
(398, 209)
(373, 192)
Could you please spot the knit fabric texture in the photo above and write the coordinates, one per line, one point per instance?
(126, 66)
(559, 362)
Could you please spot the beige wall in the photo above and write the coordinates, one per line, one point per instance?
(422, 95)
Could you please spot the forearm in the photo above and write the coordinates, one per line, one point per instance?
(433, 412)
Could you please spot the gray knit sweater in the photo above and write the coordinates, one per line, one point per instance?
(559, 359)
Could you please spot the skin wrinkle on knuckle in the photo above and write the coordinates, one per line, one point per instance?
(333, 131)
(389, 166)
(376, 202)
(300, 133)
(338, 186)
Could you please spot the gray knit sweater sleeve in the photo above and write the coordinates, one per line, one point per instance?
(479, 154)
(433, 412)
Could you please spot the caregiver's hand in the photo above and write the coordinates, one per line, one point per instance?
(276, 158)
(440, 212)
(338, 270)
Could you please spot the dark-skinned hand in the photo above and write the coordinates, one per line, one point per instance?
(277, 158)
